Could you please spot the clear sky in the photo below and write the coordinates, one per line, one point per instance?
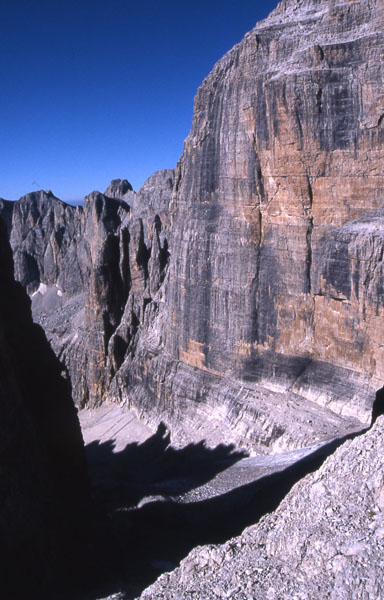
(93, 90)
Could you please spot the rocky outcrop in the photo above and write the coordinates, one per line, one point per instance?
(93, 273)
(323, 541)
(43, 484)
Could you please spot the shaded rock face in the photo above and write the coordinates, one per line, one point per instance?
(43, 483)
(93, 273)
(6, 209)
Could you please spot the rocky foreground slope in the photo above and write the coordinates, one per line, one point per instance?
(325, 540)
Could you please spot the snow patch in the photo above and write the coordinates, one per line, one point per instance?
(42, 289)
(59, 291)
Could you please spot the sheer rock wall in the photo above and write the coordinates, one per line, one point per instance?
(275, 272)
(284, 155)
(272, 228)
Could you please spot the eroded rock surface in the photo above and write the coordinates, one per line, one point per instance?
(243, 292)
(325, 540)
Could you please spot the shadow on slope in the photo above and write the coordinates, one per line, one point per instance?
(134, 543)
(121, 479)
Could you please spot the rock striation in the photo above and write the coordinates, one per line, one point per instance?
(243, 291)
(285, 150)
(275, 272)
(43, 484)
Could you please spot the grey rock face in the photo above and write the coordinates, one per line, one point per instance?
(273, 164)
(264, 305)
(93, 272)
(48, 242)
(323, 541)
(43, 482)
(118, 188)
(273, 285)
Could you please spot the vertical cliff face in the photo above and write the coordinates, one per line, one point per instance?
(107, 284)
(127, 247)
(272, 304)
(43, 482)
(274, 262)
(48, 242)
(93, 273)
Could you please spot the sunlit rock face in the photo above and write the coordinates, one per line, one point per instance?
(275, 272)
(277, 230)
(43, 480)
(245, 290)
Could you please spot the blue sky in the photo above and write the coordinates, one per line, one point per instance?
(95, 90)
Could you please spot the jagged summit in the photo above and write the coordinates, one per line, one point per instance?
(118, 188)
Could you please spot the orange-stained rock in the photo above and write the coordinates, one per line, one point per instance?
(277, 231)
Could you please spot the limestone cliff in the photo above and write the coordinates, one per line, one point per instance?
(275, 273)
(266, 325)
(286, 149)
